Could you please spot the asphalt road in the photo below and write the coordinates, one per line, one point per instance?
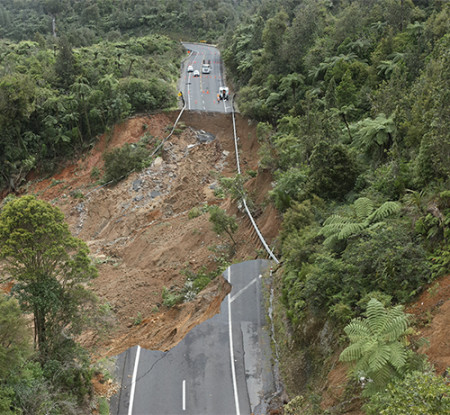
(222, 367)
(200, 93)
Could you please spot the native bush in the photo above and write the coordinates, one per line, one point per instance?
(120, 162)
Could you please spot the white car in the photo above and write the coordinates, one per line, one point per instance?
(190, 68)
(206, 68)
(196, 73)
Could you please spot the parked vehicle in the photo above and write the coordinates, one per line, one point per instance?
(223, 93)
(206, 67)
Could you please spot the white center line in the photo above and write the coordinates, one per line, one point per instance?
(133, 381)
(184, 395)
(233, 369)
(243, 289)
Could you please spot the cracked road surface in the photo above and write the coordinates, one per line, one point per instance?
(223, 366)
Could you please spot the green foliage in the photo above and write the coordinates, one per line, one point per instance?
(377, 346)
(171, 298)
(120, 162)
(6, 397)
(49, 267)
(333, 171)
(112, 19)
(52, 105)
(305, 405)
(197, 281)
(234, 187)
(14, 337)
(195, 212)
(374, 137)
(416, 394)
(364, 215)
(291, 185)
(222, 222)
(103, 406)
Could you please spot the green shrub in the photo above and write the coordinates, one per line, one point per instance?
(171, 298)
(103, 406)
(95, 173)
(417, 394)
(122, 161)
(195, 212)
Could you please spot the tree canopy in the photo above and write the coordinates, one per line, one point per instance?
(48, 266)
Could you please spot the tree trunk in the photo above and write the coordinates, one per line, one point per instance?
(39, 331)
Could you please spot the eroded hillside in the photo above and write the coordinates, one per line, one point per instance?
(139, 232)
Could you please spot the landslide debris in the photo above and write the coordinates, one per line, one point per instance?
(139, 232)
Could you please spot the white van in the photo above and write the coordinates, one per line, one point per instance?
(206, 68)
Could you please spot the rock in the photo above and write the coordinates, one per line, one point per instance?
(137, 184)
(158, 162)
(204, 137)
(138, 198)
(154, 194)
(80, 207)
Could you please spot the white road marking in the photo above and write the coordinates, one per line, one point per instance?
(133, 381)
(184, 395)
(233, 369)
(243, 289)
(189, 82)
(224, 105)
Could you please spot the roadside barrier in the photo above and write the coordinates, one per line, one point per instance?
(261, 238)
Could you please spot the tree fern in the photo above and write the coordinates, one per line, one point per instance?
(339, 227)
(377, 344)
(363, 207)
(385, 210)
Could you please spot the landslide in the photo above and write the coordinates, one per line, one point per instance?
(138, 230)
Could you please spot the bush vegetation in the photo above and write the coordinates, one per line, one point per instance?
(55, 100)
(353, 109)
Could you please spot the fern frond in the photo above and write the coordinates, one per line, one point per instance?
(352, 352)
(350, 229)
(379, 357)
(394, 328)
(378, 318)
(398, 355)
(357, 328)
(379, 379)
(385, 210)
(363, 207)
(331, 229)
(330, 241)
(335, 219)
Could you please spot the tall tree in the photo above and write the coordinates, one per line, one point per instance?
(65, 65)
(49, 268)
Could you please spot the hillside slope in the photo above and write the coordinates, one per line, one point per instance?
(139, 232)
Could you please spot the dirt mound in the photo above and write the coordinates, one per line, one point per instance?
(139, 232)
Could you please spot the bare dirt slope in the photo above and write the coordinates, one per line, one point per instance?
(139, 232)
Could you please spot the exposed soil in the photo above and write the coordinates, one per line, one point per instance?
(139, 232)
(141, 237)
(431, 312)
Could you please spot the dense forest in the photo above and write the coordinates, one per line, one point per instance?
(353, 104)
(353, 108)
(55, 100)
(87, 22)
